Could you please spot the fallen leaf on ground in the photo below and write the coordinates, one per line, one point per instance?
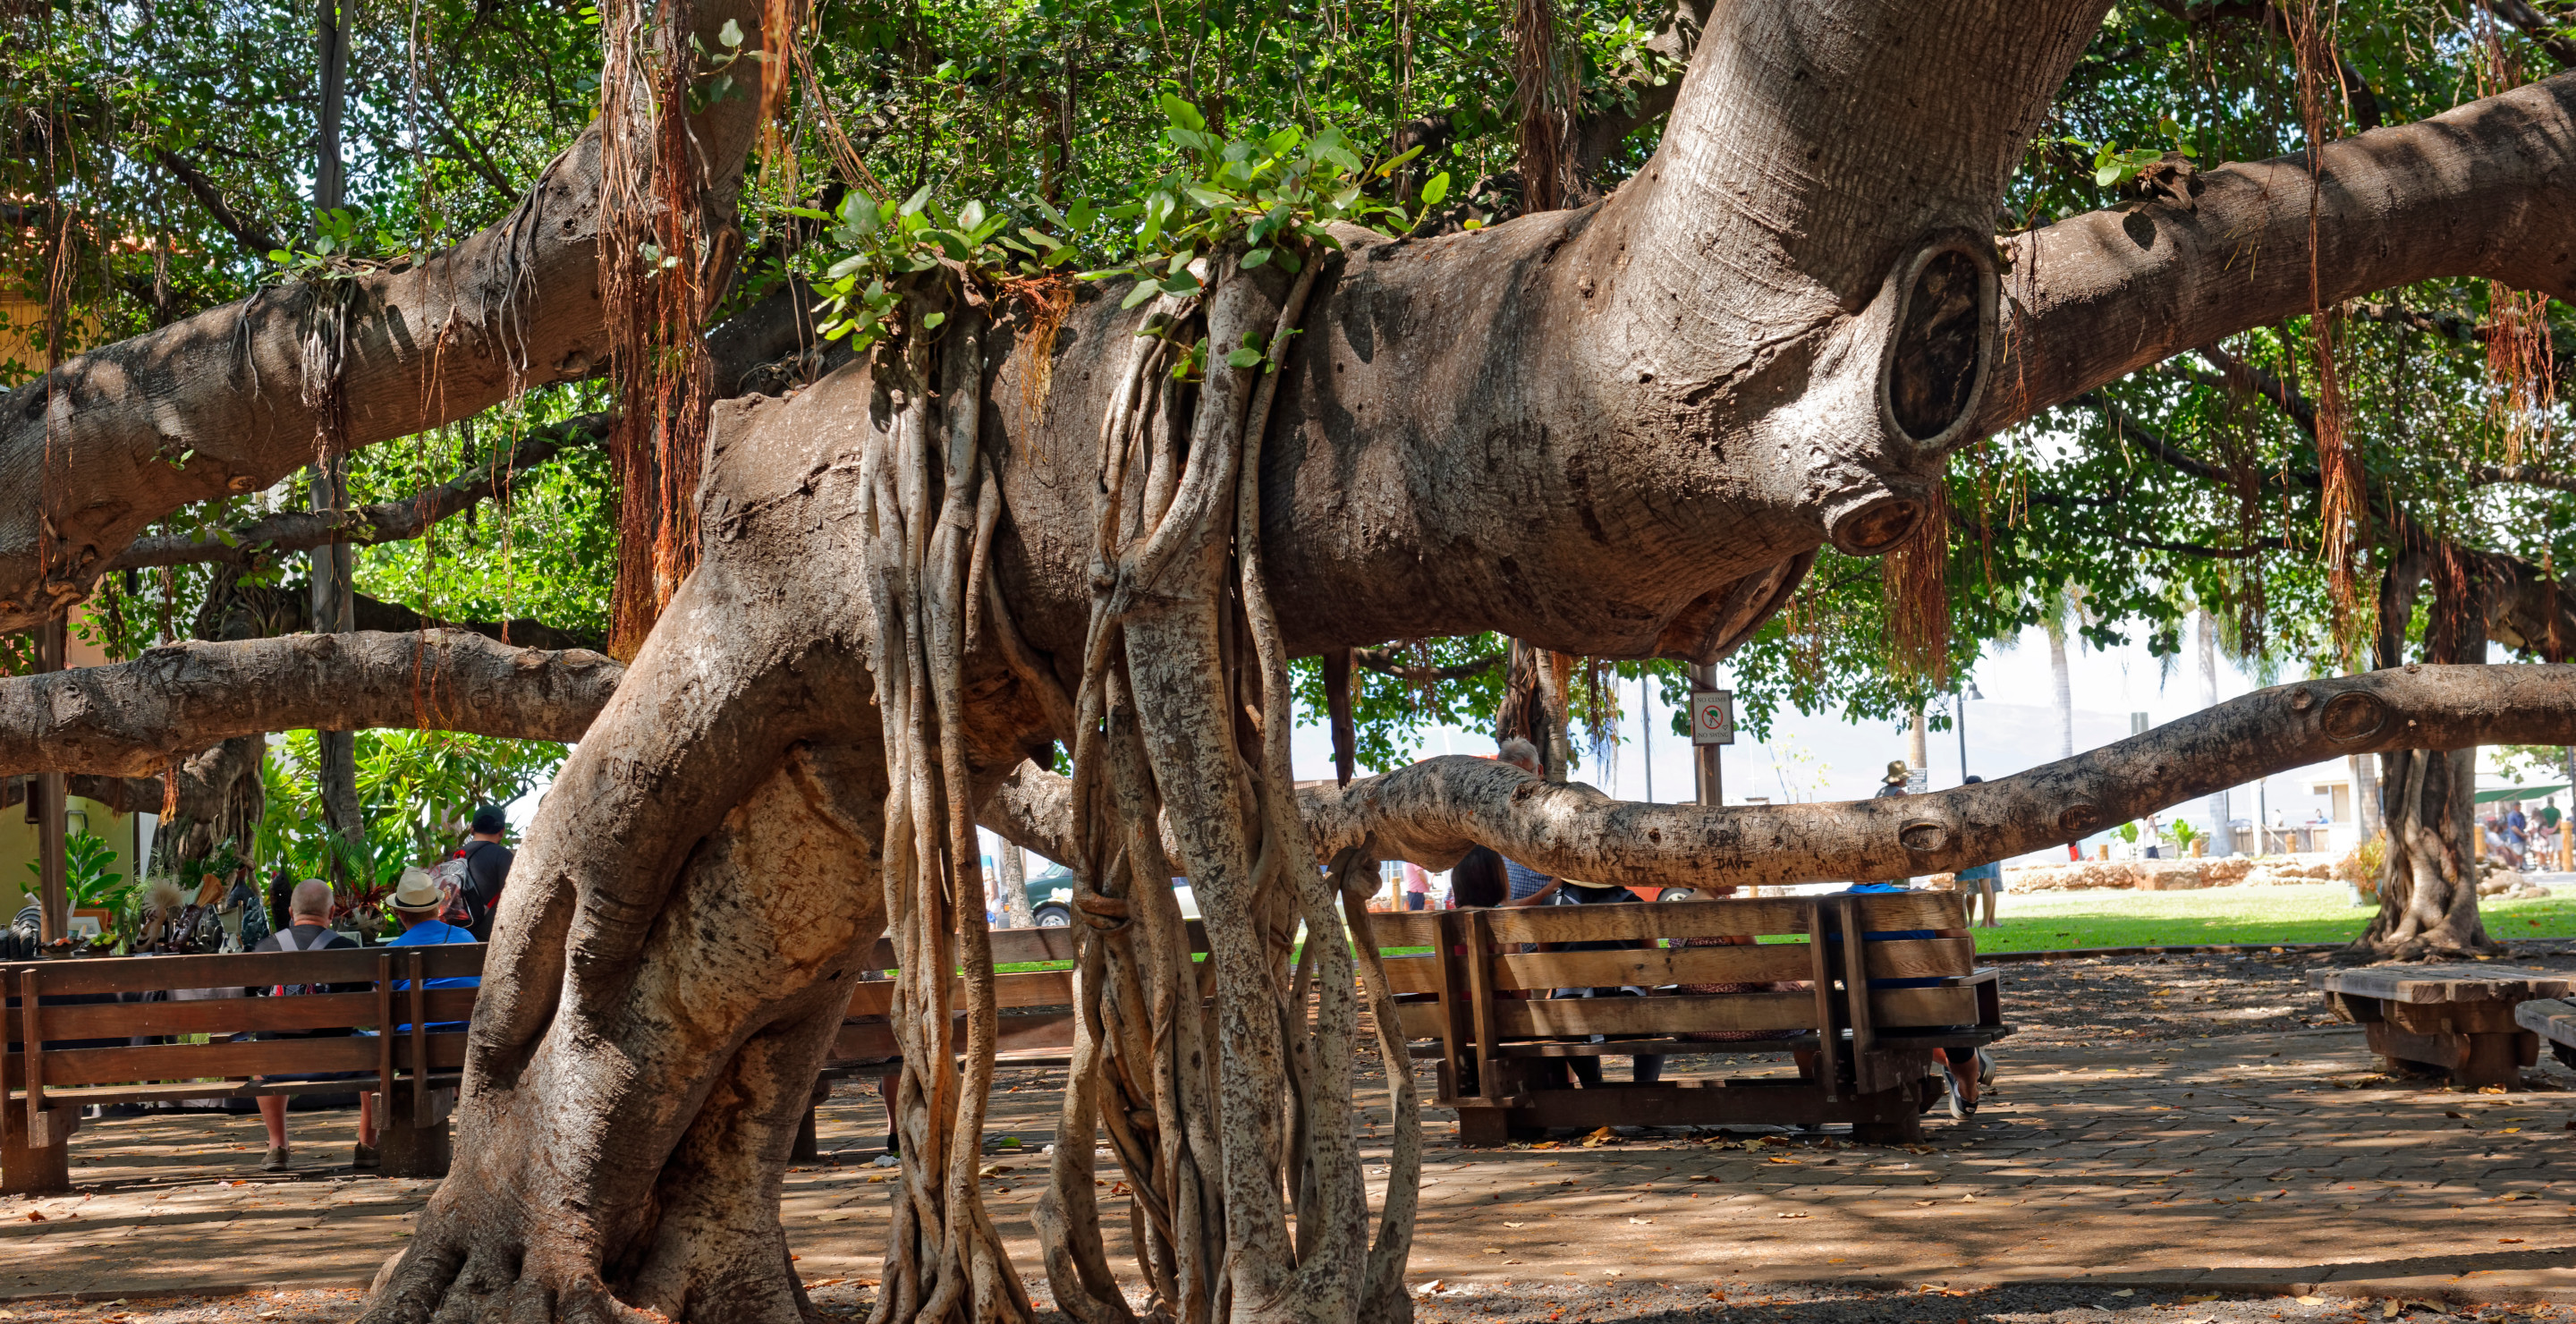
(35, 1215)
(1793, 1215)
(1493, 1250)
(2126, 1291)
(2508, 1241)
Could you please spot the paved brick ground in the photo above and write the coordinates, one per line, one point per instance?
(2236, 1162)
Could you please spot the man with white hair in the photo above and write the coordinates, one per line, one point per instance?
(1526, 881)
(309, 931)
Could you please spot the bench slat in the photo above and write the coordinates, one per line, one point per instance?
(181, 1062)
(343, 965)
(865, 1040)
(1561, 1017)
(2549, 1018)
(312, 1011)
(1015, 946)
(1880, 913)
(2445, 983)
(1913, 958)
(1034, 988)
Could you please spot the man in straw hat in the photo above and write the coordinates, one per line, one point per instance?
(418, 899)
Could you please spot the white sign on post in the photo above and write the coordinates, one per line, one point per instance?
(1712, 717)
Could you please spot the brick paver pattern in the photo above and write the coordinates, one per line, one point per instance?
(2241, 1158)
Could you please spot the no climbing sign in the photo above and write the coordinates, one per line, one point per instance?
(1712, 717)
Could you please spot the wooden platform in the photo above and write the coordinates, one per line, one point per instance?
(2457, 1021)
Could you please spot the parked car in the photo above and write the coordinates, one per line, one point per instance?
(1051, 897)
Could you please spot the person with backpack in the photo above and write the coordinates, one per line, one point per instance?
(476, 872)
(310, 910)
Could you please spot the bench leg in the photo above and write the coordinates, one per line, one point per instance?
(37, 1161)
(808, 1146)
(411, 1146)
(1484, 1128)
(1898, 1120)
(2495, 1059)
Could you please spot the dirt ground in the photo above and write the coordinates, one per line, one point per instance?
(2175, 1128)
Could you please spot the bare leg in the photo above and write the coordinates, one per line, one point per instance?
(1962, 1064)
(272, 1114)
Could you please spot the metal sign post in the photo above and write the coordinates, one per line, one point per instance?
(1712, 721)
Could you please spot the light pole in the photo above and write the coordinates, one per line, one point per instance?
(1959, 718)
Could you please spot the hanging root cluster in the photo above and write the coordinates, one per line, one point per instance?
(657, 273)
(928, 506)
(1222, 1086)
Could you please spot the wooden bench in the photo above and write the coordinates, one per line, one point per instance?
(2553, 1022)
(1483, 995)
(1037, 1020)
(2450, 1020)
(59, 1012)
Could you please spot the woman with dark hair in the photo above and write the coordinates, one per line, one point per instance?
(1478, 879)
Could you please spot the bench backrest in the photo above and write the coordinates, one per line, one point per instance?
(865, 1034)
(1487, 980)
(51, 1005)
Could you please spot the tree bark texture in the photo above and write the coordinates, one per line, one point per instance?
(131, 719)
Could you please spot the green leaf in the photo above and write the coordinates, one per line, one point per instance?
(1255, 258)
(2108, 175)
(920, 198)
(972, 215)
(1435, 188)
(931, 321)
(1182, 113)
(1243, 358)
(1145, 289)
(730, 34)
(847, 265)
(1082, 215)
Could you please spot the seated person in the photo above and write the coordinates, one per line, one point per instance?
(417, 903)
(1478, 880)
(309, 909)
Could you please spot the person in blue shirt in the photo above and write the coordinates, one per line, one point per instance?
(418, 901)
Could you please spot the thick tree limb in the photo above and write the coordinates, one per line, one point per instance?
(390, 521)
(2488, 189)
(132, 718)
(517, 632)
(95, 451)
(1435, 811)
(2527, 475)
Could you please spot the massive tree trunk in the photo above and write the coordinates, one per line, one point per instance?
(2428, 879)
(1622, 430)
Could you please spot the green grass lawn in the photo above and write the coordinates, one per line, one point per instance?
(2321, 913)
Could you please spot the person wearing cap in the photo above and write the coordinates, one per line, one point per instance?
(417, 901)
(487, 867)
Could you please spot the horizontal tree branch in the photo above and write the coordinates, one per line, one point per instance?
(2527, 475)
(1384, 661)
(95, 451)
(389, 521)
(130, 719)
(2487, 189)
(257, 243)
(1435, 811)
